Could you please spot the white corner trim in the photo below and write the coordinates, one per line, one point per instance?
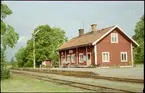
(111, 31)
(132, 55)
(95, 54)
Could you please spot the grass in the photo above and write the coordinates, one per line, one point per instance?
(139, 65)
(19, 83)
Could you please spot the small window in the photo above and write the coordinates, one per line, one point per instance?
(105, 57)
(73, 58)
(68, 58)
(114, 38)
(81, 57)
(123, 56)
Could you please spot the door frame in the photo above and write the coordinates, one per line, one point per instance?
(88, 62)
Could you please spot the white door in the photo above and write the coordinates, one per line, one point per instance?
(88, 59)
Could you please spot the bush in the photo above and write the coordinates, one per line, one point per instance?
(5, 73)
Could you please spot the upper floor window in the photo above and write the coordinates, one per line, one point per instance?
(114, 38)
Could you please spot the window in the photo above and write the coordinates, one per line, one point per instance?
(105, 57)
(123, 56)
(85, 58)
(81, 58)
(89, 56)
(114, 38)
(62, 58)
(73, 58)
(68, 58)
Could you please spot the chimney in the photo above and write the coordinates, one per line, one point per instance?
(81, 32)
(94, 27)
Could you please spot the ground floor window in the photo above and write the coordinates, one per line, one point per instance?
(68, 58)
(81, 57)
(123, 56)
(105, 57)
(73, 58)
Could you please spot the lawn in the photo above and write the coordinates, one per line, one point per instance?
(19, 83)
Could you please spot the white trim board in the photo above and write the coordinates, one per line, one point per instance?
(111, 31)
(104, 67)
(125, 66)
(95, 54)
(132, 55)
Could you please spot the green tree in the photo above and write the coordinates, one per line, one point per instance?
(20, 56)
(47, 40)
(8, 38)
(139, 37)
(8, 35)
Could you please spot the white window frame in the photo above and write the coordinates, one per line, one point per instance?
(81, 54)
(104, 60)
(115, 35)
(69, 59)
(121, 56)
(73, 60)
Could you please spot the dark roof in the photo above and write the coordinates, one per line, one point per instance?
(85, 39)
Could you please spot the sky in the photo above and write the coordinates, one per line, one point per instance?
(70, 16)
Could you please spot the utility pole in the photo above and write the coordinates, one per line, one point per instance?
(33, 37)
(33, 50)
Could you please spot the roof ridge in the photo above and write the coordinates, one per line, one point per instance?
(94, 31)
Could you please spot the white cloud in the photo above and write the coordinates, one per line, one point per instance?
(22, 39)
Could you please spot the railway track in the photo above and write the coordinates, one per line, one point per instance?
(90, 87)
(85, 75)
